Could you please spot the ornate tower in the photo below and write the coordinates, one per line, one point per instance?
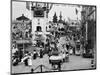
(60, 17)
(39, 16)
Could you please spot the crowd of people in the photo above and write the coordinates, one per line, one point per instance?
(21, 31)
(20, 55)
(54, 42)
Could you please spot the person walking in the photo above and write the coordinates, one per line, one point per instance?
(41, 53)
(25, 60)
(29, 60)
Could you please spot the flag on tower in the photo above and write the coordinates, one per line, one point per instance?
(28, 5)
(76, 11)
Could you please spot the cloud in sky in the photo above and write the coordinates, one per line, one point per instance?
(68, 11)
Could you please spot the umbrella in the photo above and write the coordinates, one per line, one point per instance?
(55, 53)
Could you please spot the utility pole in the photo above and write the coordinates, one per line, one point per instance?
(86, 25)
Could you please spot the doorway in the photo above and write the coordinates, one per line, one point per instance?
(39, 29)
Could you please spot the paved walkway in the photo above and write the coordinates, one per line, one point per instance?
(75, 62)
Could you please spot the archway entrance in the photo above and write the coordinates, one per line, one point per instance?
(39, 29)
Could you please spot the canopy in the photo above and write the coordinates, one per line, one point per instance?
(32, 48)
(39, 37)
(22, 41)
(22, 18)
(55, 53)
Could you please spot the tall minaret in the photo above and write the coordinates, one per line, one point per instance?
(60, 16)
(55, 18)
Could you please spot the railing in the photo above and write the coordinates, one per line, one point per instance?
(33, 70)
(41, 68)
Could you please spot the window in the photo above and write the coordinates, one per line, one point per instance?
(39, 13)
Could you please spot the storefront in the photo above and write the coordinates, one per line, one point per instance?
(22, 44)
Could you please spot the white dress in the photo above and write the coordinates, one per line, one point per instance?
(30, 61)
(71, 51)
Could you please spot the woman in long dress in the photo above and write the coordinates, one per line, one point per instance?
(30, 61)
(27, 60)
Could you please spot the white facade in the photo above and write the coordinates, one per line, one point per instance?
(39, 24)
(39, 21)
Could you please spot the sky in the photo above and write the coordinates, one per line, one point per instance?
(68, 11)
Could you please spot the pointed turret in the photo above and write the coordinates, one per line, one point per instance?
(60, 18)
(55, 18)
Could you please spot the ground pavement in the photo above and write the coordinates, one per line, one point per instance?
(75, 62)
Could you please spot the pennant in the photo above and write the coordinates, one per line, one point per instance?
(76, 11)
(28, 5)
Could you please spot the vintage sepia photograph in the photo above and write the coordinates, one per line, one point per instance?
(52, 37)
